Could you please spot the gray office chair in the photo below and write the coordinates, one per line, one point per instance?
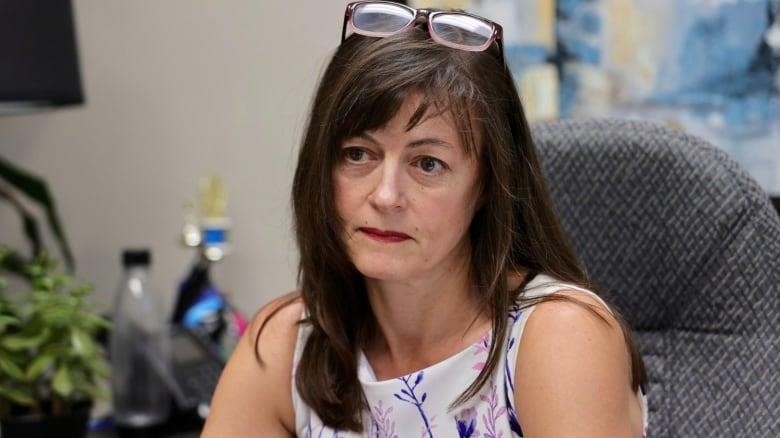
(687, 246)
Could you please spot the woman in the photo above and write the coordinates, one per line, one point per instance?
(438, 294)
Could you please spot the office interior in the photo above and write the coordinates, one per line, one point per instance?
(185, 96)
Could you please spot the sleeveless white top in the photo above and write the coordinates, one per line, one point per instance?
(417, 404)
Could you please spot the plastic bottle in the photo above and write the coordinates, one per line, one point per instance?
(140, 348)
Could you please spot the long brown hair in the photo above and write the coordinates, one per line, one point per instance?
(515, 230)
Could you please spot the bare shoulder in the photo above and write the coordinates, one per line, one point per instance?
(573, 372)
(254, 395)
(277, 322)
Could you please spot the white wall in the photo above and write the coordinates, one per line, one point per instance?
(176, 90)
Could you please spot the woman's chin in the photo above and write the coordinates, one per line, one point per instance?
(384, 270)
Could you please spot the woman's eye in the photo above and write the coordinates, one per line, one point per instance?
(430, 165)
(355, 154)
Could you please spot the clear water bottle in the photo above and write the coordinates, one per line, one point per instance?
(140, 348)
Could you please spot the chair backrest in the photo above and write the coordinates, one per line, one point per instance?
(687, 246)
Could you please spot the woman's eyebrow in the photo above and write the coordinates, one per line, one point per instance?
(427, 141)
(430, 141)
(367, 136)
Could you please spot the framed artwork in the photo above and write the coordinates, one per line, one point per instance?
(709, 67)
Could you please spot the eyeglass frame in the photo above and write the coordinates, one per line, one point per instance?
(496, 36)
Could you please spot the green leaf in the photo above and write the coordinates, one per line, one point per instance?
(99, 366)
(38, 367)
(81, 342)
(13, 263)
(61, 281)
(16, 396)
(62, 382)
(29, 223)
(56, 315)
(20, 342)
(92, 321)
(16, 343)
(10, 368)
(35, 270)
(6, 321)
(37, 190)
(43, 284)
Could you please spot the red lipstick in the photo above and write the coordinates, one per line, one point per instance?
(384, 236)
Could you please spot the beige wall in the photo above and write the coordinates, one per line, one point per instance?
(176, 90)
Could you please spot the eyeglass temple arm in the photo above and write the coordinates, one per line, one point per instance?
(347, 14)
(501, 50)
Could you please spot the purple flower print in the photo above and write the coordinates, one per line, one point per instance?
(481, 349)
(426, 431)
(320, 432)
(408, 395)
(509, 385)
(490, 418)
(514, 312)
(466, 423)
(382, 423)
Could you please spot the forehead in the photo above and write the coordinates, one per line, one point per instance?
(415, 115)
(419, 111)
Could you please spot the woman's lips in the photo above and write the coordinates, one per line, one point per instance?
(384, 236)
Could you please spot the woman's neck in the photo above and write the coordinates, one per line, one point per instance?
(422, 322)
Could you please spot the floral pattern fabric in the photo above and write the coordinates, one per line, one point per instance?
(417, 404)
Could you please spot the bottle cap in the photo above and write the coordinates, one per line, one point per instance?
(136, 257)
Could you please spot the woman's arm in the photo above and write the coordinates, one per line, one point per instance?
(573, 374)
(253, 399)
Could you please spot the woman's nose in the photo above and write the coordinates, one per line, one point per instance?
(388, 193)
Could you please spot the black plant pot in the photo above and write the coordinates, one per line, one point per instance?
(35, 426)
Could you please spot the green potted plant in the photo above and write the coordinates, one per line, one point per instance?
(51, 365)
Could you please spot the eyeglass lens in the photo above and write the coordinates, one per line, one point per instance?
(381, 18)
(461, 29)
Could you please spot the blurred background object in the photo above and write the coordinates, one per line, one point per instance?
(200, 305)
(710, 68)
(705, 67)
(39, 64)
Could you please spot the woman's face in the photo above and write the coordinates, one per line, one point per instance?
(407, 198)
